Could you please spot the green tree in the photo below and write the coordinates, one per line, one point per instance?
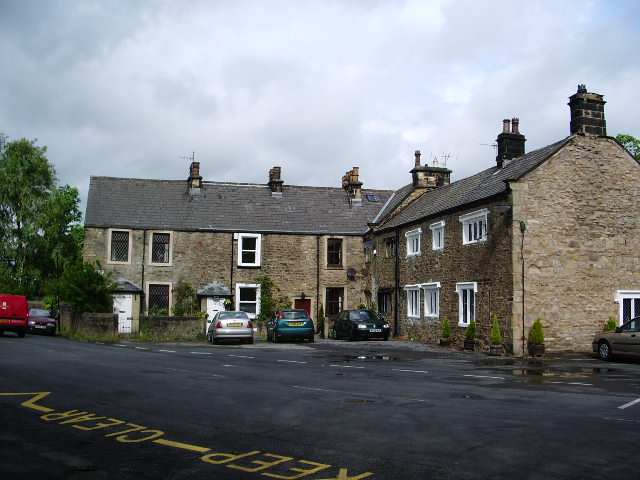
(36, 219)
(630, 143)
(186, 300)
(87, 288)
(496, 336)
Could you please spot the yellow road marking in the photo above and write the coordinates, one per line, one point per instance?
(31, 403)
(184, 446)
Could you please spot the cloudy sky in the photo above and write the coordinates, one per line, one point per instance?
(133, 88)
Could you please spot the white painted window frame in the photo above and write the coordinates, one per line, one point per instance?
(256, 286)
(477, 222)
(413, 301)
(437, 235)
(622, 295)
(465, 289)
(414, 239)
(258, 250)
(431, 293)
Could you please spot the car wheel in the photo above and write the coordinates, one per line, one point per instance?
(604, 350)
(310, 339)
(385, 338)
(214, 341)
(250, 341)
(275, 337)
(21, 334)
(352, 334)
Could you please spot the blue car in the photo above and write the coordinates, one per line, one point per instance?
(290, 325)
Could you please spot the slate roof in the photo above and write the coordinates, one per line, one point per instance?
(168, 204)
(478, 187)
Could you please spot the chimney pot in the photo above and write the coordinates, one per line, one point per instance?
(505, 125)
(515, 122)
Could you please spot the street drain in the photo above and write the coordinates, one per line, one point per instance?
(356, 400)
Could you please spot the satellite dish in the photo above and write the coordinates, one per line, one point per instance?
(369, 245)
(351, 273)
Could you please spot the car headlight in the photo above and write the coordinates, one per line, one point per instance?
(386, 325)
(361, 325)
(31, 322)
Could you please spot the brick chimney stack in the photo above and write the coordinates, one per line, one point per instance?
(195, 179)
(275, 182)
(587, 113)
(353, 186)
(510, 142)
(428, 177)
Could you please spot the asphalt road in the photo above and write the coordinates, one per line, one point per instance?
(328, 410)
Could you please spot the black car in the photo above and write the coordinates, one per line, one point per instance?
(355, 324)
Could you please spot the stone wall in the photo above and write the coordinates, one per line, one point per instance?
(487, 263)
(178, 328)
(296, 263)
(582, 240)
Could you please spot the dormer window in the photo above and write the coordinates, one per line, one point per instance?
(474, 226)
(413, 242)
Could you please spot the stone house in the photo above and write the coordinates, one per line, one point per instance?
(154, 235)
(554, 233)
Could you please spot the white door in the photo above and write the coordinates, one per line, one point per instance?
(214, 305)
(123, 306)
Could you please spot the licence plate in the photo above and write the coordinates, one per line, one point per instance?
(375, 330)
(41, 326)
(296, 324)
(239, 324)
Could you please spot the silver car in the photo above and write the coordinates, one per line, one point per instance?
(623, 341)
(231, 326)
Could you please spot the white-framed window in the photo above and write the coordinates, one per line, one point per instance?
(413, 241)
(413, 301)
(249, 246)
(629, 304)
(160, 248)
(431, 299)
(119, 246)
(466, 302)
(474, 226)
(437, 235)
(248, 298)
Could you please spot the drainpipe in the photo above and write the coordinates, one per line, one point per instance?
(144, 248)
(324, 327)
(523, 228)
(396, 316)
(231, 272)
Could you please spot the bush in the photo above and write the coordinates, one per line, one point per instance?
(472, 331)
(496, 336)
(611, 324)
(446, 328)
(536, 336)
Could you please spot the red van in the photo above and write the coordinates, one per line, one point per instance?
(14, 314)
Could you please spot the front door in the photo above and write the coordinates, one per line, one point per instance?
(214, 305)
(303, 304)
(123, 307)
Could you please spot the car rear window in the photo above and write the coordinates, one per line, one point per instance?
(294, 315)
(228, 315)
(39, 312)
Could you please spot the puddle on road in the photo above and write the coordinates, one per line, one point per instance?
(364, 358)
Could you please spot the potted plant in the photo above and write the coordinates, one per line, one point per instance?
(536, 339)
(611, 325)
(496, 348)
(445, 334)
(470, 336)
